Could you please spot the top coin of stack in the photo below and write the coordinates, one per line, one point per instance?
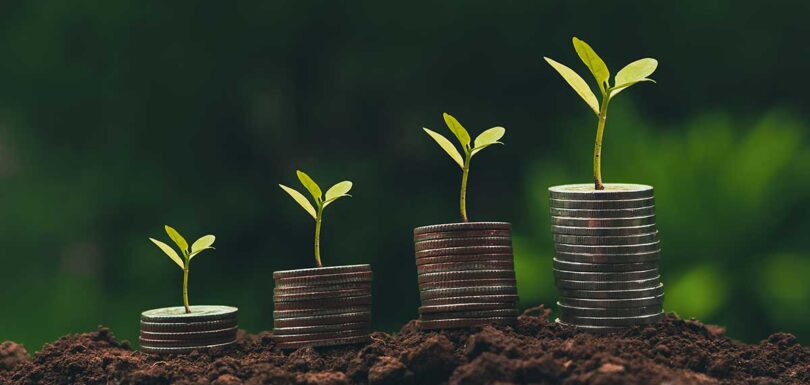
(606, 255)
(322, 306)
(466, 274)
(172, 330)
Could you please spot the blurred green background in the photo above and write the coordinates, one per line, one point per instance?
(119, 117)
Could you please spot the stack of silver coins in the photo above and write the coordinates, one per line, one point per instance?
(173, 331)
(606, 256)
(324, 306)
(466, 274)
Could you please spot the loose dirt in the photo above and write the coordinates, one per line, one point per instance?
(535, 351)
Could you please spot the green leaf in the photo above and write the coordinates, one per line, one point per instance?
(177, 238)
(447, 146)
(635, 72)
(169, 251)
(594, 62)
(203, 243)
(310, 185)
(458, 130)
(337, 191)
(488, 138)
(615, 90)
(577, 83)
(301, 199)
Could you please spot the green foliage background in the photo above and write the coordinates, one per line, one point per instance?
(119, 117)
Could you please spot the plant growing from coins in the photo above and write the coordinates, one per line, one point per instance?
(482, 141)
(334, 193)
(635, 72)
(204, 243)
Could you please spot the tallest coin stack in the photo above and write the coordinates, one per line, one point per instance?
(606, 256)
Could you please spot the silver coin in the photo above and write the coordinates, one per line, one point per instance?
(614, 321)
(461, 234)
(321, 328)
(466, 307)
(608, 249)
(601, 204)
(475, 299)
(469, 314)
(282, 314)
(320, 288)
(613, 303)
(463, 258)
(467, 283)
(610, 277)
(320, 271)
(191, 335)
(604, 267)
(325, 279)
(566, 312)
(462, 242)
(465, 266)
(613, 294)
(199, 313)
(466, 275)
(604, 231)
(614, 285)
(612, 191)
(603, 214)
(467, 292)
(364, 316)
(318, 295)
(182, 350)
(603, 222)
(463, 226)
(603, 241)
(464, 250)
(593, 329)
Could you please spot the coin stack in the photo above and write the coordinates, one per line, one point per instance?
(323, 306)
(171, 330)
(606, 260)
(466, 274)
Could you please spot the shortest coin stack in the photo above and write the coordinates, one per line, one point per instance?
(466, 274)
(324, 306)
(606, 260)
(171, 330)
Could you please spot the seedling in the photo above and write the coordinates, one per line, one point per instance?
(335, 192)
(204, 243)
(632, 73)
(482, 141)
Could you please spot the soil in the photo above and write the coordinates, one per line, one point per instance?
(535, 351)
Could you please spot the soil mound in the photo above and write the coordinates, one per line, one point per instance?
(535, 351)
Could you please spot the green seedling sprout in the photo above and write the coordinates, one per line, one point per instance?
(482, 141)
(335, 192)
(632, 73)
(204, 243)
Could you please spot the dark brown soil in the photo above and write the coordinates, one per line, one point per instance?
(535, 351)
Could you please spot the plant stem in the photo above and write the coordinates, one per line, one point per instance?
(597, 148)
(318, 236)
(465, 171)
(185, 288)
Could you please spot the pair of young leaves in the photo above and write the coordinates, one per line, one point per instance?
(482, 141)
(335, 192)
(631, 74)
(204, 243)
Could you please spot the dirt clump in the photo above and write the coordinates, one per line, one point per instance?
(535, 351)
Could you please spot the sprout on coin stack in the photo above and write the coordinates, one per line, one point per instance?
(321, 306)
(182, 329)
(465, 270)
(605, 235)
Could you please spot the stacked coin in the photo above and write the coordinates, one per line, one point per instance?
(323, 306)
(606, 260)
(466, 274)
(171, 330)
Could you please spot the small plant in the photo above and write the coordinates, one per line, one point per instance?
(632, 73)
(482, 141)
(335, 192)
(204, 243)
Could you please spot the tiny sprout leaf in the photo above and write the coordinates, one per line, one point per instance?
(577, 83)
(301, 199)
(203, 243)
(169, 252)
(488, 138)
(635, 72)
(447, 146)
(594, 62)
(615, 90)
(310, 185)
(177, 238)
(458, 130)
(337, 191)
